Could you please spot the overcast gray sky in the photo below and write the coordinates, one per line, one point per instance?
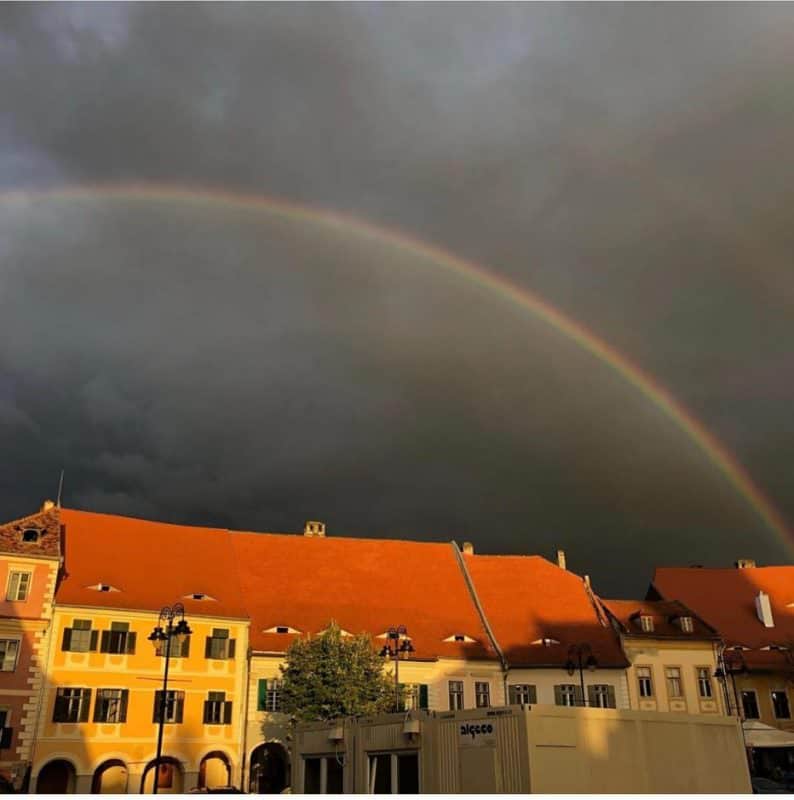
(201, 362)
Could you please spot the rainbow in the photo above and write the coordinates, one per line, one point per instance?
(716, 452)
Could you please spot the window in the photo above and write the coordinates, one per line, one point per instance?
(705, 689)
(322, 775)
(644, 681)
(750, 704)
(111, 705)
(79, 638)
(217, 709)
(415, 696)
(268, 697)
(780, 704)
(394, 773)
(18, 586)
(9, 650)
(455, 695)
(71, 705)
(180, 647)
(522, 693)
(174, 706)
(6, 732)
(673, 677)
(219, 645)
(482, 694)
(686, 624)
(30, 535)
(568, 694)
(119, 639)
(165, 776)
(646, 623)
(601, 696)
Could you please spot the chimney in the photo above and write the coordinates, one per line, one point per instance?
(314, 529)
(561, 559)
(587, 581)
(47, 505)
(468, 548)
(764, 610)
(744, 563)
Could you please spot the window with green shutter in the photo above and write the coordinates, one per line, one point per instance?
(261, 695)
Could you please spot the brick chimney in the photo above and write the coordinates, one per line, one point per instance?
(468, 548)
(744, 563)
(313, 528)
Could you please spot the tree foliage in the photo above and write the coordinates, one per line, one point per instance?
(331, 676)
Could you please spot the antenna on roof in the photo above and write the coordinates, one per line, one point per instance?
(60, 489)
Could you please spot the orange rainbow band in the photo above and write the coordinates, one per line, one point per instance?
(660, 397)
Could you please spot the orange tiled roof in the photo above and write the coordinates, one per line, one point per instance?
(725, 599)
(153, 564)
(664, 614)
(528, 599)
(48, 542)
(364, 585)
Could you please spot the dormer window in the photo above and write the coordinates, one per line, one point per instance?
(31, 535)
(460, 637)
(686, 624)
(103, 587)
(546, 641)
(198, 596)
(646, 623)
(282, 629)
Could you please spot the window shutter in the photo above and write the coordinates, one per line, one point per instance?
(125, 699)
(59, 712)
(158, 701)
(104, 646)
(180, 705)
(592, 700)
(232, 642)
(94, 639)
(131, 643)
(261, 695)
(207, 707)
(13, 586)
(227, 712)
(66, 644)
(423, 703)
(208, 647)
(186, 647)
(85, 705)
(578, 696)
(5, 738)
(558, 695)
(611, 697)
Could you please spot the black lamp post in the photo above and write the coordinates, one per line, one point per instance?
(731, 663)
(170, 625)
(393, 649)
(579, 657)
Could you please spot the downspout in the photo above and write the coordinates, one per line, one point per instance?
(481, 613)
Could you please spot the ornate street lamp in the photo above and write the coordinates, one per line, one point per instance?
(580, 656)
(171, 626)
(394, 648)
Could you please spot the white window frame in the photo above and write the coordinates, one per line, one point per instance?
(646, 623)
(568, 690)
(273, 696)
(480, 693)
(522, 692)
(17, 646)
(601, 694)
(18, 574)
(461, 694)
(687, 626)
(641, 678)
(110, 700)
(395, 772)
(703, 681)
(669, 678)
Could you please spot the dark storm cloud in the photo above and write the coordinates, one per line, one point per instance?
(628, 163)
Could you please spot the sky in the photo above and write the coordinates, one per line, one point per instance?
(187, 356)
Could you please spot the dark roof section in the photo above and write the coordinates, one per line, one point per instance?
(666, 616)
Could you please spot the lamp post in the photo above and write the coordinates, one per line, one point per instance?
(579, 657)
(170, 625)
(393, 649)
(731, 663)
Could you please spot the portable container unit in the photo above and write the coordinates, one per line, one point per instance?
(542, 749)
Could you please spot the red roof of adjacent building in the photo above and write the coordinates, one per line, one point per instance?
(527, 600)
(365, 585)
(151, 564)
(665, 614)
(725, 599)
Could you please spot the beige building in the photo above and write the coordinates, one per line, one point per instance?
(672, 656)
(543, 749)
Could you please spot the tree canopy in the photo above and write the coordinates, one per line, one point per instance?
(331, 675)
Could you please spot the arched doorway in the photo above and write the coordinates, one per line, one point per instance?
(269, 771)
(170, 778)
(214, 770)
(56, 777)
(110, 777)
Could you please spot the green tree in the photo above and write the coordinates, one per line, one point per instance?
(331, 676)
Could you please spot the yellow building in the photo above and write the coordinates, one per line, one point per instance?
(672, 655)
(98, 725)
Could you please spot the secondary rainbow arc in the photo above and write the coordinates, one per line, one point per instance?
(652, 390)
